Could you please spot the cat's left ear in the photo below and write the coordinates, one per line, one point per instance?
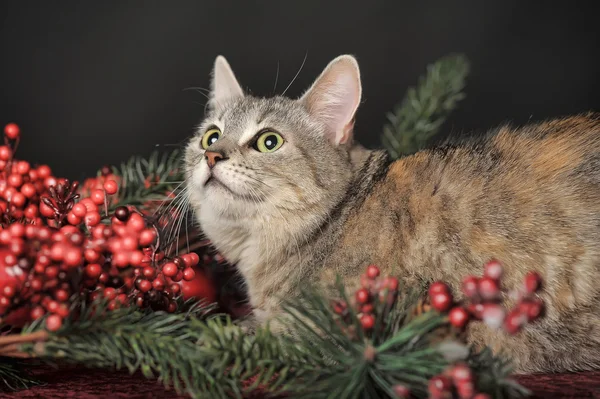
(224, 85)
(335, 96)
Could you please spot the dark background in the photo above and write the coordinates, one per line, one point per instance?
(92, 83)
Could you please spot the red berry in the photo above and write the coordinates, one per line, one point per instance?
(136, 222)
(136, 258)
(92, 218)
(12, 131)
(531, 308)
(367, 308)
(97, 196)
(89, 205)
(23, 167)
(178, 277)
(120, 259)
(73, 219)
(18, 200)
(28, 190)
(17, 230)
(391, 283)
(37, 312)
(73, 257)
(79, 210)
(362, 296)
(482, 396)
(367, 321)
(172, 307)
(57, 252)
(63, 310)
(533, 282)
(147, 237)
(461, 372)
(372, 272)
(439, 385)
(5, 153)
(488, 288)
(54, 322)
(493, 315)
(469, 286)
(145, 286)
(493, 269)
(401, 391)
(170, 269)
(46, 211)
(194, 258)
(111, 187)
(110, 293)
(158, 283)
(15, 180)
(465, 389)
(4, 302)
(441, 301)
(52, 306)
(458, 317)
(438, 288)
(188, 274)
(339, 307)
(61, 295)
(176, 289)
(9, 291)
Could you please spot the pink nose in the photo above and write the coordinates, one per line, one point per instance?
(212, 158)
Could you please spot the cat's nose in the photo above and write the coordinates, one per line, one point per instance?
(212, 157)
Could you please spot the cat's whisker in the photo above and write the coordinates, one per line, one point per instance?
(276, 78)
(297, 73)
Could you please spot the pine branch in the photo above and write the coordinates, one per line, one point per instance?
(148, 179)
(13, 375)
(422, 112)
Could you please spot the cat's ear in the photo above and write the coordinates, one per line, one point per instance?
(224, 85)
(335, 96)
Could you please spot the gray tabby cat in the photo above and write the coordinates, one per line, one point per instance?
(281, 189)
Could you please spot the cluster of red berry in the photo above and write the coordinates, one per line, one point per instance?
(376, 295)
(56, 248)
(458, 381)
(483, 300)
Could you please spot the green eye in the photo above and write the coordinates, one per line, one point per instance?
(268, 142)
(210, 137)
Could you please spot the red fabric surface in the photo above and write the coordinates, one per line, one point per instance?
(83, 383)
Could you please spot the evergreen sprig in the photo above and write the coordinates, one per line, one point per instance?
(425, 108)
(13, 375)
(211, 356)
(146, 179)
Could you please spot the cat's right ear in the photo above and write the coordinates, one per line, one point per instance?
(224, 86)
(334, 98)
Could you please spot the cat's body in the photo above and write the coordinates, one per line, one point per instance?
(529, 197)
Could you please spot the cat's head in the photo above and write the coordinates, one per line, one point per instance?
(262, 157)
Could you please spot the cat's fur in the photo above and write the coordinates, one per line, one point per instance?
(321, 206)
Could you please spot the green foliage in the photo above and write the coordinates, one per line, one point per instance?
(424, 109)
(207, 355)
(13, 375)
(149, 179)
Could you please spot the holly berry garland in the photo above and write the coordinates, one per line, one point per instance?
(109, 274)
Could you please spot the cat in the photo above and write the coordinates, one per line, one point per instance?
(283, 191)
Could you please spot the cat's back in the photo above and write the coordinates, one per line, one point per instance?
(529, 196)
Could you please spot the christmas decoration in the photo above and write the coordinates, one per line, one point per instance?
(109, 273)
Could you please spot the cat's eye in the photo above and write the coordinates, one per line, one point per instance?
(268, 142)
(210, 137)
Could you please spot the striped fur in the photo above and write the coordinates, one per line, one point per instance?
(318, 208)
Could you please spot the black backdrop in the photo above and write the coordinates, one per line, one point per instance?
(95, 82)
